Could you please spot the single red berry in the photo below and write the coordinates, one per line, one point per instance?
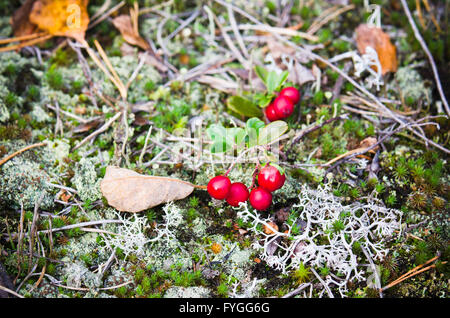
(270, 178)
(270, 113)
(218, 187)
(292, 93)
(283, 106)
(260, 199)
(238, 193)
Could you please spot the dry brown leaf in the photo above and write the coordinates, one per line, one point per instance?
(369, 142)
(20, 21)
(61, 18)
(129, 191)
(87, 126)
(124, 25)
(377, 39)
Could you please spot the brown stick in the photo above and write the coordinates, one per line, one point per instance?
(5, 159)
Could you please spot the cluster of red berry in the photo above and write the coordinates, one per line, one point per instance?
(283, 105)
(269, 180)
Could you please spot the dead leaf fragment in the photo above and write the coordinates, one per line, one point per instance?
(129, 191)
(270, 228)
(124, 25)
(369, 142)
(377, 39)
(20, 21)
(84, 127)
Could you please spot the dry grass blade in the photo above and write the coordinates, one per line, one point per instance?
(33, 231)
(121, 87)
(26, 43)
(5, 159)
(416, 270)
(316, 26)
(22, 38)
(429, 55)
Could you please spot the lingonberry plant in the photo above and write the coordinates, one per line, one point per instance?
(278, 102)
(270, 177)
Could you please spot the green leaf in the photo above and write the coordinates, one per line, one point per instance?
(271, 132)
(281, 79)
(235, 135)
(220, 146)
(254, 123)
(272, 81)
(261, 72)
(252, 127)
(243, 106)
(265, 100)
(216, 132)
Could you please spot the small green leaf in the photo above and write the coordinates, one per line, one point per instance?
(254, 123)
(243, 106)
(216, 132)
(239, 138)
(272, 132)
(252, 127)
(220, 146)
(234, 135)
(265, 100)
(272, 81)
(281, 79)
(261, 72)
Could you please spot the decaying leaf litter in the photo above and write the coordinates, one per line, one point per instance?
(149, 92)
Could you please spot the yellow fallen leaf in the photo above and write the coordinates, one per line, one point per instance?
(61, 17)
(377, 39)
(129, 191)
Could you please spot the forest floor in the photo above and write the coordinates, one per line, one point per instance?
(364, 211)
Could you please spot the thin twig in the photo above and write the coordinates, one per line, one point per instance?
(314, 28)
(428, 53)
(12, 292)
(144, 149)
(98, 131)
(323, 283)
(82, 224)
(314, 128)
(106, 15)
(296, 291)
(374, 270)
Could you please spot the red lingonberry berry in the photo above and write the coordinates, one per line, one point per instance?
(270, 113)
(260, 199)
(292, 93)
(238, 193)
(283, 106)
(218, 187)
(270, 178)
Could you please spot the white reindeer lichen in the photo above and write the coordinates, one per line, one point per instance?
(130, 236)
(324, 233)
